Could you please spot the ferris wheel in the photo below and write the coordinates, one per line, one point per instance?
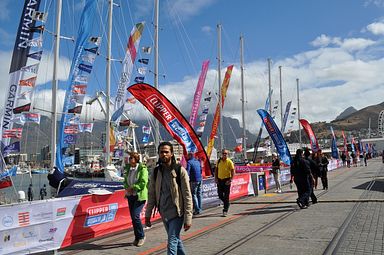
(381, 123)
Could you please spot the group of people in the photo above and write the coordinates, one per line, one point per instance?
(305, 171)
(173, 191)
(348, 159)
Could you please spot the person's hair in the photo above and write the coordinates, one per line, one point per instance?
(307, 153)
(135, 155)
(173, 159)
(299, 153)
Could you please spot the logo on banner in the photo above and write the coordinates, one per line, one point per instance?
(61, 211)
(7, 221)
(7, 238)
(100, 214)
(29, 234)
(161, 109)
(23, 219)
(180, 130)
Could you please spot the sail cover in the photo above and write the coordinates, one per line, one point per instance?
(172, 120)
(82, 63)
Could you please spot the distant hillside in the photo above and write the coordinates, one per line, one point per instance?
(346, 113)
(356, 122)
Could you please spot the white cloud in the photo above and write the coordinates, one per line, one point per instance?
(379, 3)
(376, 28)
(207, 30)
(185, 9)
(353, 44)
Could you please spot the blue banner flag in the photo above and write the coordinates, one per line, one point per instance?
(12, 148)
(10, 172)
(276, 136)
(335, 153)
(144, 61)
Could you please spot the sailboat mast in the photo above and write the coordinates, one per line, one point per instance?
(221, 140)
(242, 95)
(55, 82)
(156, 67)
(281, 99)
(108, 84)
(270, 94)
(298, 110)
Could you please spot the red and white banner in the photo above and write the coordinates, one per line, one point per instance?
(311, 135)
(173, 121)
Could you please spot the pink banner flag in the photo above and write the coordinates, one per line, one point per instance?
(198, 93)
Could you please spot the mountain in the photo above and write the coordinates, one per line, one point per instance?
(346, 113)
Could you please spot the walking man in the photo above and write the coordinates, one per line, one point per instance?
(195, 180)
(224, 172)
(314, 169)
(169, 190)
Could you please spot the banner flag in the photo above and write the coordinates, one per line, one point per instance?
(216, 118)
(9, 172)
(173, 121)
(198, 93)
(126, 71)
(145, 138)
(285, 118)
(86, 127)
(12, 148)
(258, 138)
(146, 49)
(13, 133)
(311, 135)
(146, 130)
(21, 51)
(78, 69)
(335, 152)
(144, 61)
(277, 137)
(345, 142)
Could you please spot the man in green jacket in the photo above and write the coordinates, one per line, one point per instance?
(175, 202)
(136, 191)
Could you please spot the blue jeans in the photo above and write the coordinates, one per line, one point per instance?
(173, 228)
(135, 208)
(196, 196)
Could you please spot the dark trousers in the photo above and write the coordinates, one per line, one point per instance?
(135, 208)
(303, 190)
(223, 191)
(312, 194)
(324, 179)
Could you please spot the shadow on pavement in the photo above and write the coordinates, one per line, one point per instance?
(263, 211)
(377, 186)
(91, 246)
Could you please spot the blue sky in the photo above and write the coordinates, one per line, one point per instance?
(335, 48)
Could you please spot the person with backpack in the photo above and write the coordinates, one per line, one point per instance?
(136, 191)
(169, 190)
(224, 172)
(195, 181)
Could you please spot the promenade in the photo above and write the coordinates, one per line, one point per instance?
(347, 220)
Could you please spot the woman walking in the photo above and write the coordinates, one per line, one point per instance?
(136, 191)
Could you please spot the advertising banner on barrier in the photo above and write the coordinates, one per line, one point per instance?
(35, 226)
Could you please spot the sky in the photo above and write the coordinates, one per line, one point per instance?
(334, 47)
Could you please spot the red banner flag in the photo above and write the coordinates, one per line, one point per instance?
(172, 120)
(311, 135)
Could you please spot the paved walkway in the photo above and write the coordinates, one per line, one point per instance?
(273, 223)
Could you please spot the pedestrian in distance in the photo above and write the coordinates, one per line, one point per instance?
(276, 172)
(30, 192)
(136, 191)
(324, 171)
(169, 190)
(314, 169)
(343, 158)
(224, 173)
(300, 172)
(195, 181)
(316, 174)
(365, 159)
(43, 192)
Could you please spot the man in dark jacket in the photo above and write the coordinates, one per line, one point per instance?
(314, 169)
(195, 179)
(324, 170)
(300, 172)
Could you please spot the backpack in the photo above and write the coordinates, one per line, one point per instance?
(178, 172)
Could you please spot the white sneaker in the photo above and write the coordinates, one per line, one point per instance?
(276, 191)
(279, 191)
